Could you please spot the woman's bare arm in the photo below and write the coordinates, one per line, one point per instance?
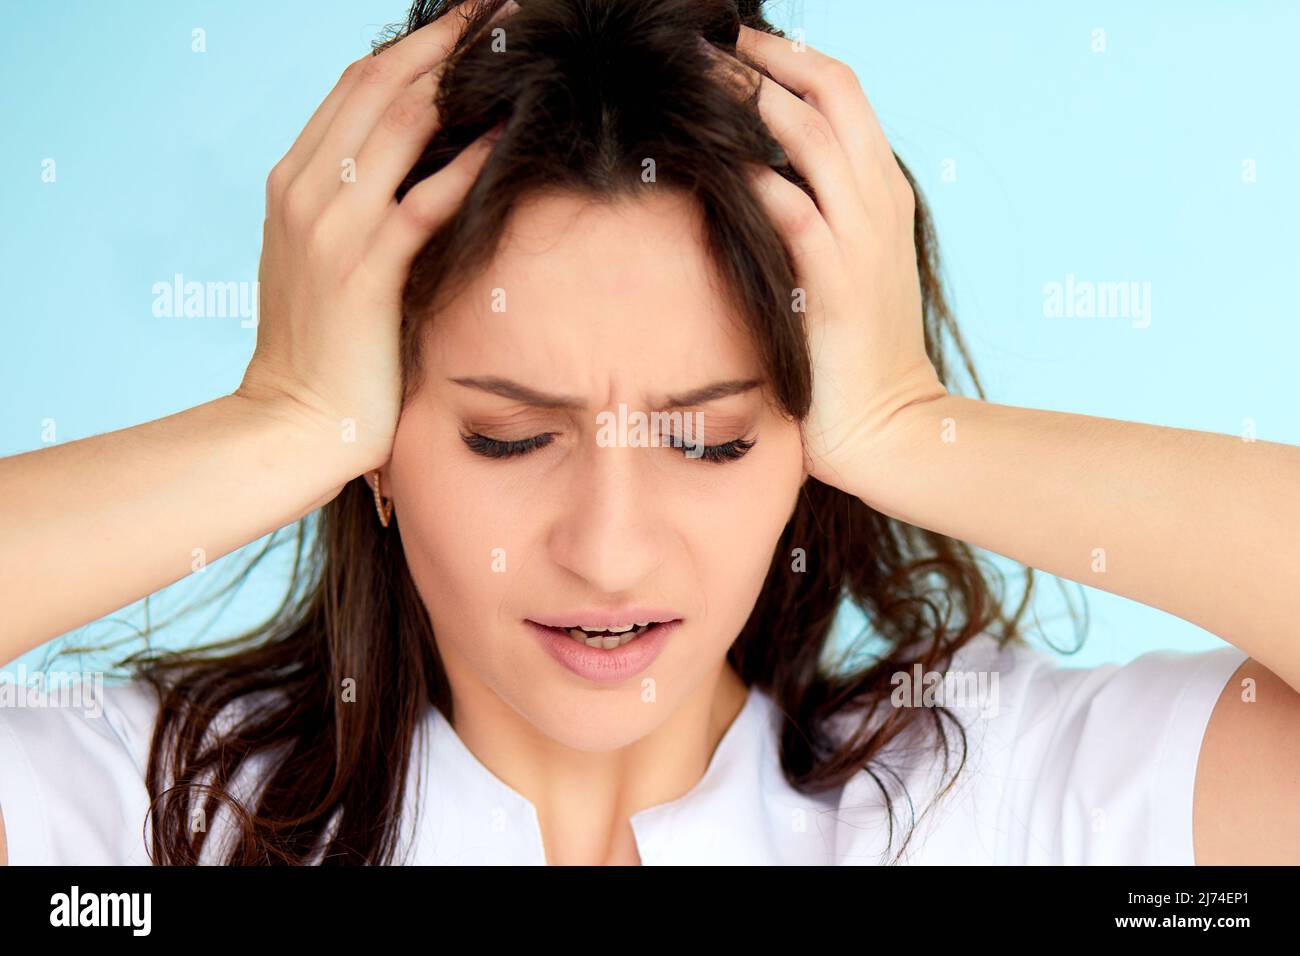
(96, 524)
(1202, 525)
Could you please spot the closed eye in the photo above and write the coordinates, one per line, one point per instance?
(498, 448)
(727, 451)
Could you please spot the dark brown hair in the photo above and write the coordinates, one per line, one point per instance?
(586, 90)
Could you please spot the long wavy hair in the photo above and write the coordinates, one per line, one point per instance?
(586, 90)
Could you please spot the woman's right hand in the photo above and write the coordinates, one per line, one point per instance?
(95, 524)
(337, 246)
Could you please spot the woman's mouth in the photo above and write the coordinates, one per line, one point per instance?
(609, 648)
(608, 638)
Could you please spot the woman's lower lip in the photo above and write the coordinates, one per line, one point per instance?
(598, 664)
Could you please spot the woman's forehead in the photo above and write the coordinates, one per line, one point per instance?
(588, 282)
(566, 246)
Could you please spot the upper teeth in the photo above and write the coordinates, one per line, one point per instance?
(608, 638)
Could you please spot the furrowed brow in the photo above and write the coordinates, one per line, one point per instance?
(709, 393)
(519, 393)
(505, 388)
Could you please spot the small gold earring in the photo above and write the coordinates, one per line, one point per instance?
(383, 505)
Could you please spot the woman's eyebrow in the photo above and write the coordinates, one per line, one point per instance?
(515, 391)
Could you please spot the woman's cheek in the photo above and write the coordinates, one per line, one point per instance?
(734, 537)
(459, 542)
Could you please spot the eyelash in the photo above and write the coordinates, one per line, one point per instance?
(496, 448)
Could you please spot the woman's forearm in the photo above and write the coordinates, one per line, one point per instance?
(96, 524)
(1204, 526)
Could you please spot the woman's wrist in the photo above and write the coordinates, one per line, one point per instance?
(340, 447)
(874, 465)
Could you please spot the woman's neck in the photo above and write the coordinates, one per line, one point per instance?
(585, 797)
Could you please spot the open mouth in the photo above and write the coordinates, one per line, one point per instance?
(606, 638)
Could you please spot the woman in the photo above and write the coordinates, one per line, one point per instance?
(611, 376)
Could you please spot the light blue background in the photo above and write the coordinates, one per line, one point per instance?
(1117, 165)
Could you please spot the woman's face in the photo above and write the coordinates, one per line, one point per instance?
(592, 306)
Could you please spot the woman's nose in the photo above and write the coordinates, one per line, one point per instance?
(610, 532)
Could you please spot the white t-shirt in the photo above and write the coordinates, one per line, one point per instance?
(1064, 766)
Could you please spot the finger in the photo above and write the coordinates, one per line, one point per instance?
(816, 255)
(393, 147)
(308, 140)
(818, 260)
(379, 81)
(832, 88)
(813, 149)
(828, 84)
(426, 206)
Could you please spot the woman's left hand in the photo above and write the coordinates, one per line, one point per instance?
(855, 256)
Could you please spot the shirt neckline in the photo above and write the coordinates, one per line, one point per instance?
(642, 821)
